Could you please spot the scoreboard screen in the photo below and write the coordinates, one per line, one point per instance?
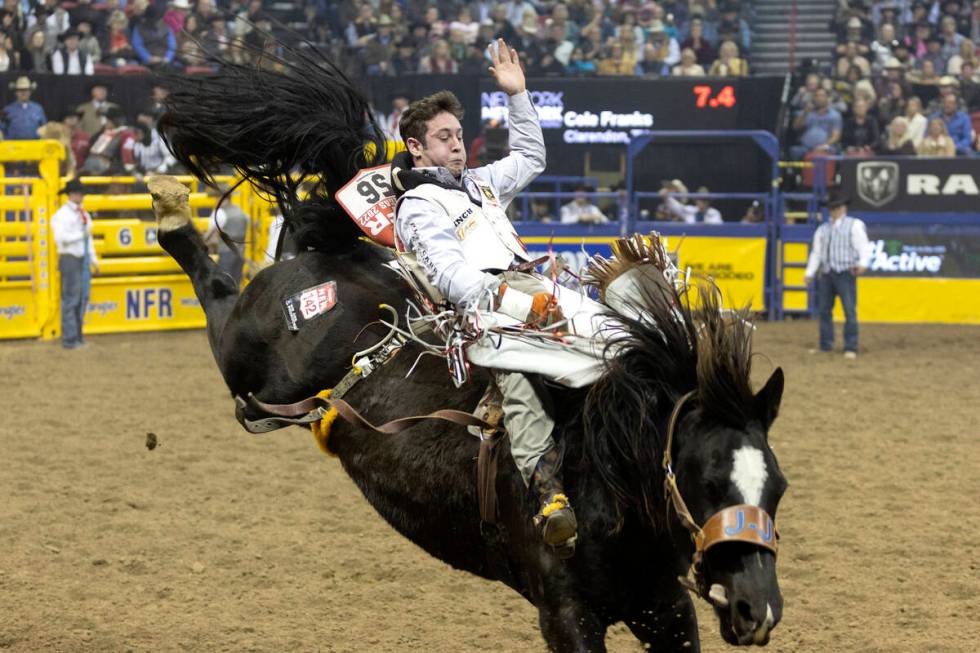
(610, 111)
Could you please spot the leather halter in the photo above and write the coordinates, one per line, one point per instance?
(738, 523)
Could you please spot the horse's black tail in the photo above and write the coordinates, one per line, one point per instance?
(280, 122)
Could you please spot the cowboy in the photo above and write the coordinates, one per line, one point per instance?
(22, 117)
(453, 219)
(71, 229)
(70, 60)
(839, 254)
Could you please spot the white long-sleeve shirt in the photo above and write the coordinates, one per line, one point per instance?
(70, 231)
(839, 245)
(428, 230)
(689, 212)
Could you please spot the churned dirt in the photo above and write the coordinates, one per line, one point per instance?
(216, 540)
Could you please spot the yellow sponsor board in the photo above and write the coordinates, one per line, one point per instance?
(151, 303)
(736, 264)
(891, 299)
(18, 312)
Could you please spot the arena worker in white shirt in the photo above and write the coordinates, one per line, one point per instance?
(581, 211)
(840, 253)
(71, 229)
(454, 221)
(701, 212)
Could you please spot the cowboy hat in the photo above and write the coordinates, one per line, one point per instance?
(180, 4)
(23, 83)
(947, 80)
(656, 27)
(385, 21)
(837, 199)
(73, 186)
(893, 64)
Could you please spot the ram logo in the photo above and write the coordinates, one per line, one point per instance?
(877, 182)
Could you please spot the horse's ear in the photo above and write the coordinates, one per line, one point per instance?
(767, 400)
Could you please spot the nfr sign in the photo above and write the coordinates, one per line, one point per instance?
(146, 303)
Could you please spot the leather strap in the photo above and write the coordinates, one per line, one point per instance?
(486, 476)
(350, 414)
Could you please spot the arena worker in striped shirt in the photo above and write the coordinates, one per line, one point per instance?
(840, 253)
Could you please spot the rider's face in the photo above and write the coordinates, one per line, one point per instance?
(443, 145)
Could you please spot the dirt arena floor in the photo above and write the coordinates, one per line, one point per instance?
(217, 540)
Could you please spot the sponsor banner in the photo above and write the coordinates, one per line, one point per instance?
(126, 304)
(912, 185)
(736, 264)
(952, 301)
(18, 313)
(923, 252)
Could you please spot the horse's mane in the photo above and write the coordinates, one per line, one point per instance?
(688, 345)
(287, 123)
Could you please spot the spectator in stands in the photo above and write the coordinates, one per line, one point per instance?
(957, 123)
(439, 62)
(896, 141)
(821, 127)
(937, 142)
(22, 117)
(527, 41)
(231, 220)
(969, 88)
(391, 121)
(951, 40)
(405, 60)
(925, 75)
(919, 40)
(516, 10)
(918, 123)
(754, 214)
(851, 58)
(502, 27)
(80, 141)
(150, 153)
(689, 66)
(581, 211)
(861, 132)
(582, 64)
(118, 48)
(176, 16)
(380, 50)
(804, 94)
(901, 52)
(853, 33)
(731, 23)
(559, 19)
(112, 151)
(893, 104)
(947, 86)
(728, 63)
(704, 51)
(93, 111)
(934, 54)
(959, 14)
(627, 29)
(700, 212)
(7, 54)
(88, 42)
(34, 55)
(666, 49)
(153, 41)
(893, 72)
(71, 230)
(69, 59)
(966, 54)
(881, 48)
(839, 255)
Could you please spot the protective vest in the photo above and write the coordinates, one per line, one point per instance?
(487, 237)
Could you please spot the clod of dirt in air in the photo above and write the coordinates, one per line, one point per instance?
(151, 440)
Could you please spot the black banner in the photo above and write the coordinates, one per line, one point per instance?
(912, 185)
(609, 111)
(930, 252)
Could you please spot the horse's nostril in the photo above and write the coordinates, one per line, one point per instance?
(744, 610)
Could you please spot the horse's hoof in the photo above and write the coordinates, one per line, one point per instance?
(565, 550)
(559, 527)
(171, 202)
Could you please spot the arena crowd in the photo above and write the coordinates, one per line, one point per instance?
(903, 82)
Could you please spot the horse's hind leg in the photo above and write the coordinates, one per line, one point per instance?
(215, 290)
(571, 627)
(667, 626)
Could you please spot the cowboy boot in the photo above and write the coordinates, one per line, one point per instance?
(555, 519)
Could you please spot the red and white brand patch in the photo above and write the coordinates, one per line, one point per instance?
(318, 300)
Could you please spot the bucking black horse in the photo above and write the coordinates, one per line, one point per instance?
(678, 385)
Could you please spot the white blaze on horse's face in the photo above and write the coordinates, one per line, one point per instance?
(749, 474)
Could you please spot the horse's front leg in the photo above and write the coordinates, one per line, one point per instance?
(667, 625)
(569, 626)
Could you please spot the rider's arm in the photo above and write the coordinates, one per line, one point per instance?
(428, 233)
(526, 160)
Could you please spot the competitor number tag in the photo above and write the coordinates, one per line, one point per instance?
(306, 305)
(370, 201)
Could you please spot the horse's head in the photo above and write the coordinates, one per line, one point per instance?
(725, 472)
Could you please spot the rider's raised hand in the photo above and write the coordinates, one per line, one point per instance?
(506, 68)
